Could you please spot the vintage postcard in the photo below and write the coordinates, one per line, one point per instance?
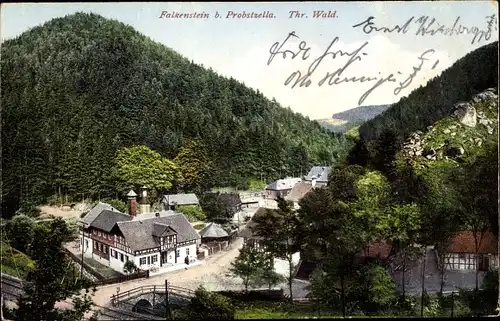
(233, 160)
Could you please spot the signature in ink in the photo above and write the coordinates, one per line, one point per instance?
(407, 81)
(430, 26)
(337, 77)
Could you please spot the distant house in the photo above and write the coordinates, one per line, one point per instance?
(250, 239)
(318, 176)
(171, 201)
(461, 252)
(281, 187)
(150, 240)
(300, 190)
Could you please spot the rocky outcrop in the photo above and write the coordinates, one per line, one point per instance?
(466, 114)
(451, 137)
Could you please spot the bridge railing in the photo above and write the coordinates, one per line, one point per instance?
(123, 296)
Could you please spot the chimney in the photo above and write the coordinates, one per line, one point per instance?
(313, 181)
(132, 203)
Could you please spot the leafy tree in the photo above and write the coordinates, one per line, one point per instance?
(217, 207)
(52, 281)
(378, 288)
(248, 265)
(130, 267)
(194, 166)
(268, 275)
(210, 306)
(137, 166)
(194, 213)
(279, 230)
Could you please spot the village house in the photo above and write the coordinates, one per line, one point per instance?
(171, 201)
(152, 240)
(461, 254)
(280, 188)
(318, 176)
(300, 190)
(281, 265)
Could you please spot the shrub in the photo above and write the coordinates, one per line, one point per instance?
(199, 226)
(119, 205)
(193, 213)
(210, 306)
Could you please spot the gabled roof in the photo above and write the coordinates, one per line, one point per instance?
(161, 230)
(320, 173)
(107, 219)
(283, 184)
(213, 230)
(298, 191)
(139, 232)
(181, 199)
(95, 211)
(463, 242)
(247, 231)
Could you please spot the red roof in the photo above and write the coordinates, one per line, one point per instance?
(381, 248)
(463, 242)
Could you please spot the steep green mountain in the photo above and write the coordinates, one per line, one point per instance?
(348, 119)
(77, 88)
(471, 74)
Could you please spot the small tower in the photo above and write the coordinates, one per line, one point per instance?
(132, 203)
(144, 203)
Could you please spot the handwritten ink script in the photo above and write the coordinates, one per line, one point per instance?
(430, 26)
(337, 77)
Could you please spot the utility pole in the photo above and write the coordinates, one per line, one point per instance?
(83, 251)
(167, 310)
(423, 283)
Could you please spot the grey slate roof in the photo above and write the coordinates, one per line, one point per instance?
(181, 199)
(247, 231)
(213, 230)
(320, 173)
(95, 211)
(283, 184)
(107, 219)
(298, 191)
(161, 230)
(139, 232)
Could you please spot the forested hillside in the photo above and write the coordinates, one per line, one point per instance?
(472, 73)
(78, 88)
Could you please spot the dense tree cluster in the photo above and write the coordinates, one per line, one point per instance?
(78, 88)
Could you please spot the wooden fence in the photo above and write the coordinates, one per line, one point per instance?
(101, 279)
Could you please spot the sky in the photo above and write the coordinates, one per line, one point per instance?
(240, 47)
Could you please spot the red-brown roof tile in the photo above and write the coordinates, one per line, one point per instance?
(463, 242)
(381, 248)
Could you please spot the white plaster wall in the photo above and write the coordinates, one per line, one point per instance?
(117, 264)
(137, 261)
(282, 266)
(87, 250)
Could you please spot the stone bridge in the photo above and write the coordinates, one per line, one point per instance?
(147, 299)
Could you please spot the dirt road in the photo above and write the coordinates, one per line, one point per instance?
(210, 274)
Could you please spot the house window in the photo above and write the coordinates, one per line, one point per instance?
(126, 258)
(86, 244)
(121, 257)
(154, 259)
(177, 253)
(187, 251)
(149, 260)
(99, 233)
(142, 261)
(95, 245)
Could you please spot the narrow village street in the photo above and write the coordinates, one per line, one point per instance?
(213, 274)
